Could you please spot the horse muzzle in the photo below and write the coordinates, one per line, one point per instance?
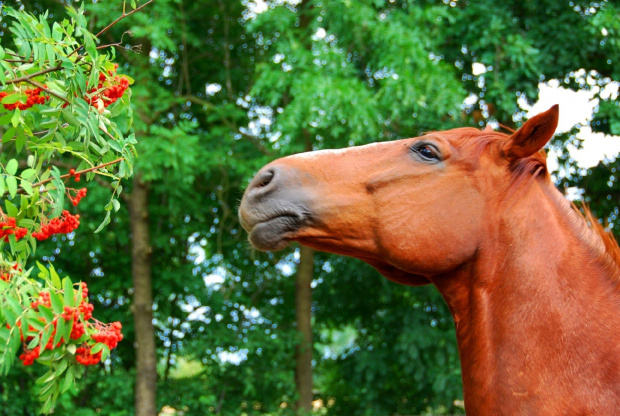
(274, 207)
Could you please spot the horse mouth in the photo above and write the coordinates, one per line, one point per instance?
(274, 233)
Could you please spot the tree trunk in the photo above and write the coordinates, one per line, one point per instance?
(146, 359)
(303, 310)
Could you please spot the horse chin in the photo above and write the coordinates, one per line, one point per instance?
(274, 234)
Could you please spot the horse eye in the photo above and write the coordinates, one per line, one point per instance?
(426, 151)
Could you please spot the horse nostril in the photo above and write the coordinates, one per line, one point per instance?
(262, 182)
(264, 179)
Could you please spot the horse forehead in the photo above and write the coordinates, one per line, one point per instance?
(457, 138)
(468, 136)
(346, 151)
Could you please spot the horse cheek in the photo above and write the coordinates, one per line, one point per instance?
(433, 239)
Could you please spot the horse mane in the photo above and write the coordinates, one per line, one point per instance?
(600, 241)
(610, 249)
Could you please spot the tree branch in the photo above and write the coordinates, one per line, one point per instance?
(68, 175)
(47, 90)
(33, 75)
(124, 15)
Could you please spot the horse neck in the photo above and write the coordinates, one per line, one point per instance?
(535, 308)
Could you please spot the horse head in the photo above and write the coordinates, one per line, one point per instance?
(412, 208)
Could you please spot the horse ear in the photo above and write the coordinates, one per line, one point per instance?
(488, 128)
(532, 136)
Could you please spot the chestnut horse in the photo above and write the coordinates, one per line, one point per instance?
(533, 286)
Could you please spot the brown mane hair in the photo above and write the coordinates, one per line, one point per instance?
(610, 248)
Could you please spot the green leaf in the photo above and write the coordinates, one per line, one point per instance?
(16, 118)
(46, 313)
(11, 183)
(98, 347)
(55, 278)
(67, 287)
(14, 304)
(60, 330)
(13, 98)
(10, 316)
(47, 404)
(11, 167)
(20, 139)
(36, 324)
(26, 186)
(67, 382)
(57, 305)
(11, 209)
(9, 134)
(46, 335)
(105, 352)
(68, 116)
(105, 222)
(67, 332)
(4, 332)
(62, 366)
(28, 173)
(43, 271)
(35, 341)
(51, 55)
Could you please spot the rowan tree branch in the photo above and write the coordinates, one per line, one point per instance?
(33, 75)
(47, 90)
(68, 175)
(124, 15)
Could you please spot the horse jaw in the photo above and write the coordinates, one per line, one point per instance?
(387, 270)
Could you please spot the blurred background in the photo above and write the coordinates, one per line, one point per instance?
(225, 86)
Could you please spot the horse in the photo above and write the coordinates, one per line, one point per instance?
(532, 283)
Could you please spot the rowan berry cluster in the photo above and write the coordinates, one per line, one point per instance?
(28, 356)
(8, 227)
(79, 317)
(33, 96)
(6, 273)
(76, 176)
(78, 195)
(109, 335)
(108, 90)
(63, 225)
(44, 299)
(84, 288)
(84, 356)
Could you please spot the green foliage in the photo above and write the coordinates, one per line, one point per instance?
(53, 115)
(42, 328)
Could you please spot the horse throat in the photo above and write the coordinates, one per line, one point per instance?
(537, 317)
